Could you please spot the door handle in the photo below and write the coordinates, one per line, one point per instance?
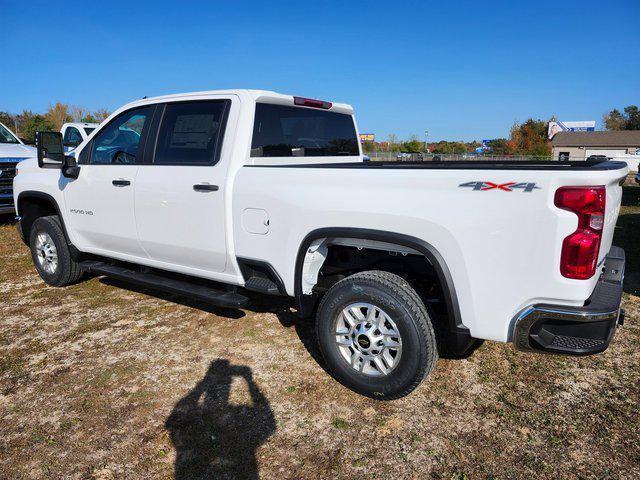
(205, 187)
(121, 183)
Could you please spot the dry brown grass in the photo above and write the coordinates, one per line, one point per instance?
(101, 381)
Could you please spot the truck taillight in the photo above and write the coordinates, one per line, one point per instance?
(580, 250)
(310, 102)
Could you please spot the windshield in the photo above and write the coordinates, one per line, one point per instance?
(6, 136)
(88, 130)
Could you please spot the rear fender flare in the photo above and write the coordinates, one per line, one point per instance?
(306, 303)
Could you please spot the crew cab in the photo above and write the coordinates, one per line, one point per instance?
(12, 151)
(73, 134)
(213, 194)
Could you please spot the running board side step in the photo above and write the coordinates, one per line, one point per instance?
(178, 286)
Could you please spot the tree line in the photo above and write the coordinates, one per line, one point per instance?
(26, 124)
(525, 138)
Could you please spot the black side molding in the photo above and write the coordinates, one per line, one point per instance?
(457, 336)
(24, 234)
(260, 276)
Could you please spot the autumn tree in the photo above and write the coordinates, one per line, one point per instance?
(101, 114)
(501, 146)
(33, 123)
(616, 120)
(530, 138)
(413, 145)
(77, 113)
(58, 114)
(393, 142)
(89, 118)
(7, 119)
(445, 147)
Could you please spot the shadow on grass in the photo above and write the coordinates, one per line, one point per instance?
(214, 438)
(279, 306)
(627, 236)
(7, 219)
(631, 196)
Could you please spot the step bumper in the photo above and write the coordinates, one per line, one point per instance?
(571, 330)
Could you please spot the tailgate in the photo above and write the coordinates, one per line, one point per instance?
(612, 209)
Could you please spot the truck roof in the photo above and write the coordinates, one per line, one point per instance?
(80, 124)
(254, 95)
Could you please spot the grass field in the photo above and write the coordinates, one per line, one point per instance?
(102, 380)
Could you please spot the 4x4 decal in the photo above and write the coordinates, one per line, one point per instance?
(506, 187)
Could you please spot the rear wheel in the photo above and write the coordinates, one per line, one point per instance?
(50, 253)
(376, 335)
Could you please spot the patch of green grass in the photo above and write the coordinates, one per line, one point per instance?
(11, 364)
(555, 440)
(340, 423)
(459, 476)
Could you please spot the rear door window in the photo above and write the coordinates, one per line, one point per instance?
(191, 133)
(284, 131)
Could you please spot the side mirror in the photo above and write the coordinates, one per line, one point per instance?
(50, 149)
(70, 168)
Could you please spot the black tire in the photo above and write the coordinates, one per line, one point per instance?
(400, 302)
(67, 272)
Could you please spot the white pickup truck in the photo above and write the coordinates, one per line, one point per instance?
(73, 134)
(12, 151)
(212, 194)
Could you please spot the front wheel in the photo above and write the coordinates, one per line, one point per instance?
(50, 253)
(375, 334)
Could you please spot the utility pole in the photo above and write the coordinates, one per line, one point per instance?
(426, 145)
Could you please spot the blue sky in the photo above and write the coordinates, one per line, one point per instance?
(462, 70)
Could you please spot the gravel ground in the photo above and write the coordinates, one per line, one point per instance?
(104, 380)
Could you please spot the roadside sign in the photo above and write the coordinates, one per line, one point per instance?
(582, 126)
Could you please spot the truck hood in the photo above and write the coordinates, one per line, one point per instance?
(15, 152)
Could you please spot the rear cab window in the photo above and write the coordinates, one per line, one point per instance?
(288, 131)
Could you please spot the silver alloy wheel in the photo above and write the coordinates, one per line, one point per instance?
(368, 339)
(46, 253)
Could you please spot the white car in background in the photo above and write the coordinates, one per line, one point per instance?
(12, 151)
(73, 134)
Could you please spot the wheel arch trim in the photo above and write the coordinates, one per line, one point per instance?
(304, 302)
(25, 195)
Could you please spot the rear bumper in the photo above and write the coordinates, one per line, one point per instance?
(576, 330)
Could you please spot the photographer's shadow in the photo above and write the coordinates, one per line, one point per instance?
(213, 439)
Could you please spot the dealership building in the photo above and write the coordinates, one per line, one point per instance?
(620, 145)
